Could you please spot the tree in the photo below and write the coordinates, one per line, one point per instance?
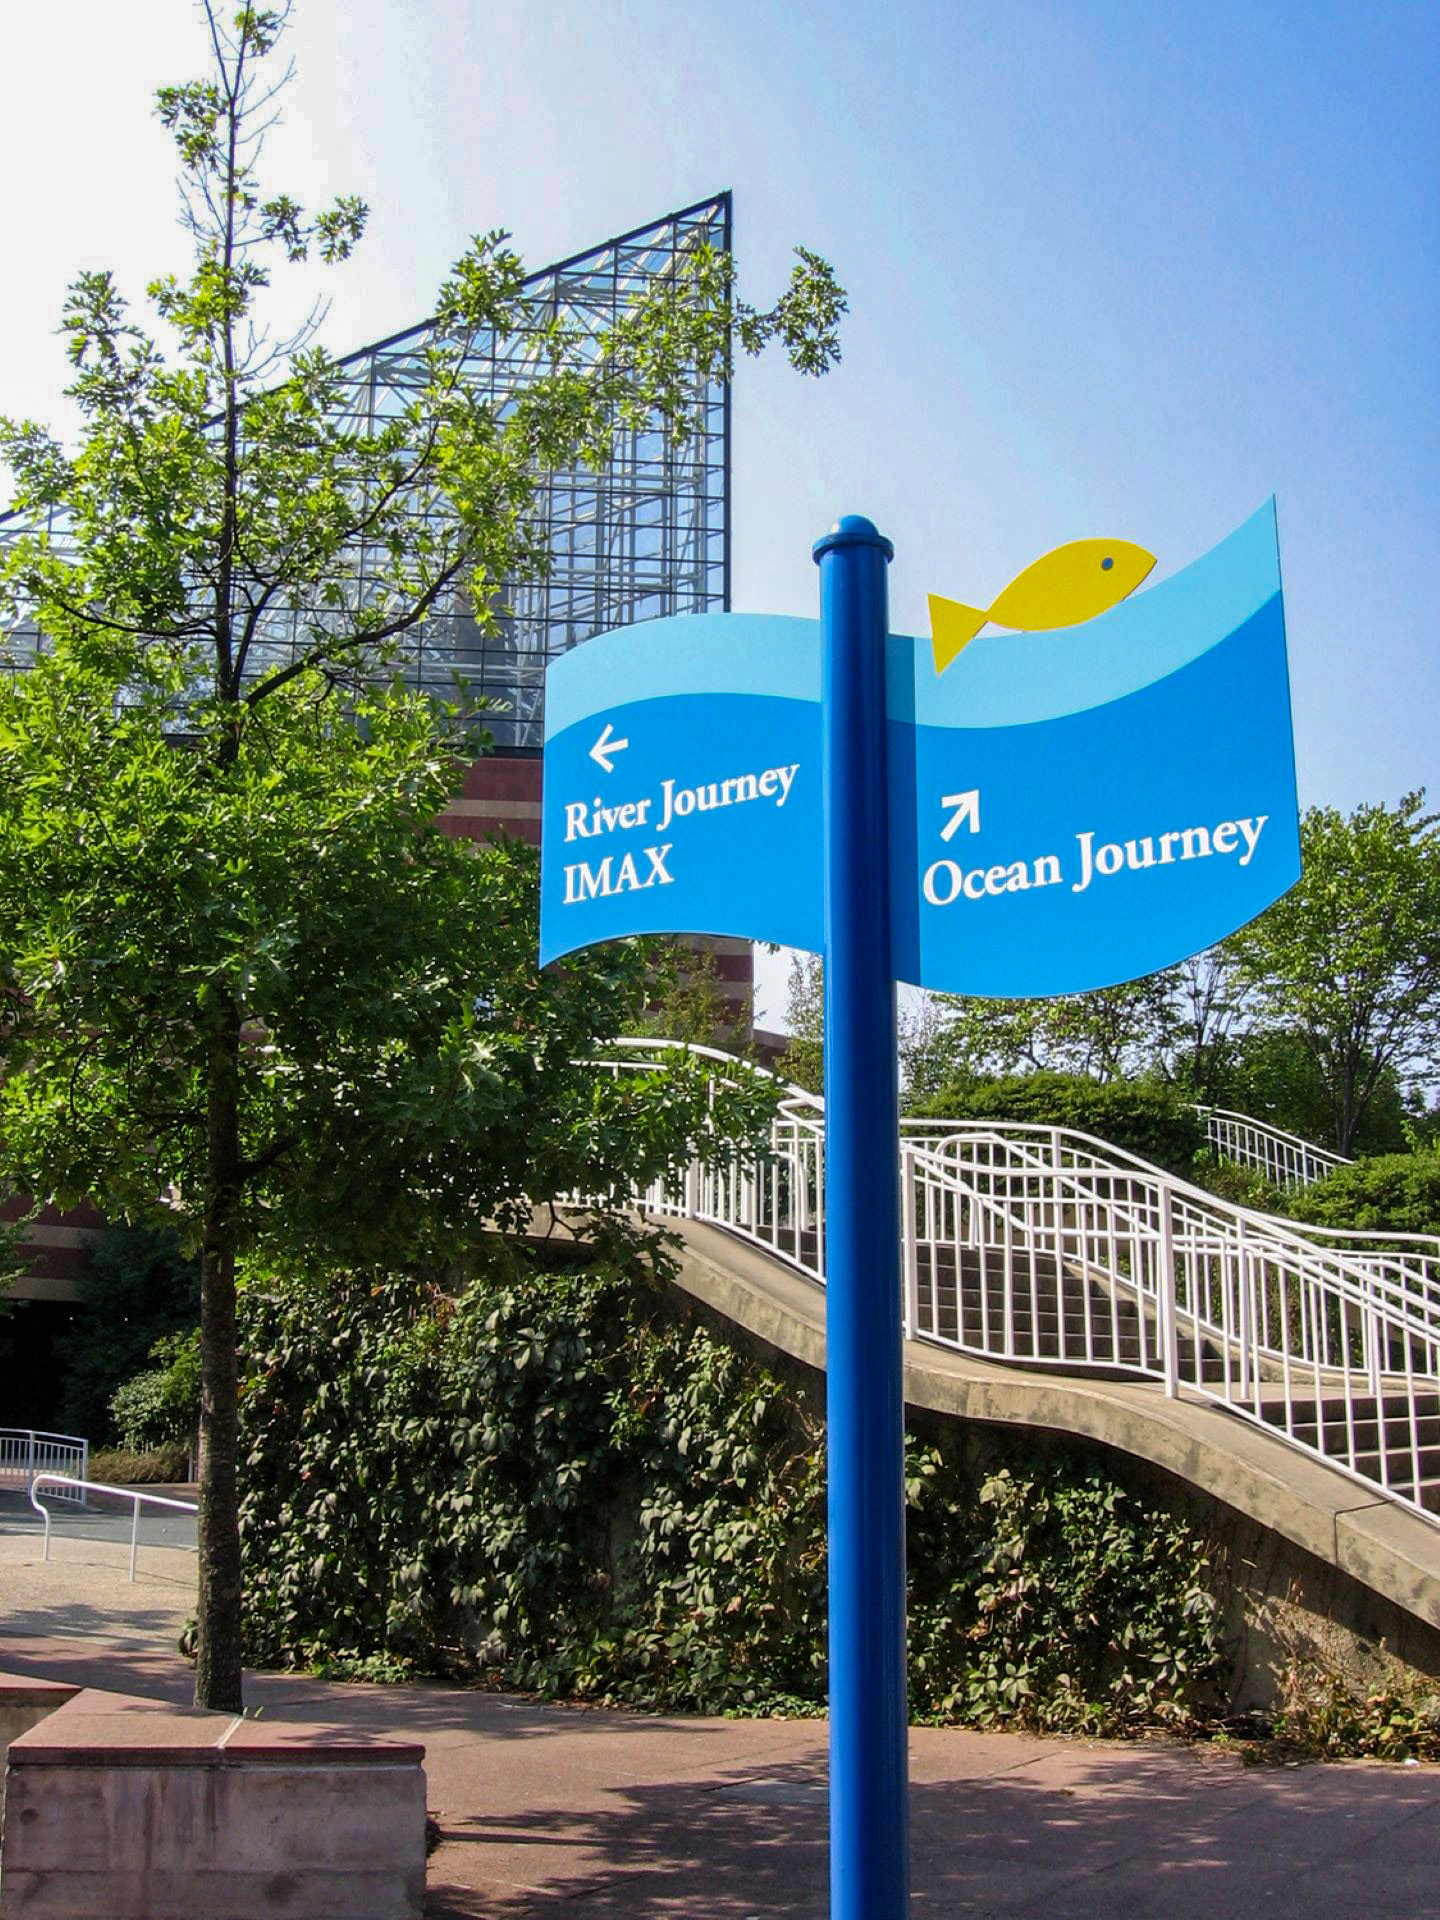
(1204, 1013)
(1107, 1034)
(1349, 959)
(14, 1260)
(804, 1061)
(258, 996)
(685, 998)
(1272, 1073)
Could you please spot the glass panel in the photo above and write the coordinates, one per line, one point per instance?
(645, 537)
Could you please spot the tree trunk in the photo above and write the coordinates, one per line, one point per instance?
(1349, 1105)
(218, 1680)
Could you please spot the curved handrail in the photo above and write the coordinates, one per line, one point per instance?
(1293, 1237)
(1285, 1158)
(1289, 1161)
(1048, 1246)
(631, 1043)
(1105, 1154)
(98, 1486)
(1276, 1133)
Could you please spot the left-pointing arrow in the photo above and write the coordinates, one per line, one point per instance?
(605, 746)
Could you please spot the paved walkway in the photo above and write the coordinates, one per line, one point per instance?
(548, 1811)
(83, 1591)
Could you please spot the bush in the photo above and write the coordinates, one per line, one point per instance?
(543, 1473)
(14, 1254)
(1395, 1192)
(1153, 1121)
(1052, 1597)
(1341, 1703)
(153, 1467)
(559, 1478)
(163, 1403)
(1244, 1186)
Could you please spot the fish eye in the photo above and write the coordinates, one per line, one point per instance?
(1106, 564)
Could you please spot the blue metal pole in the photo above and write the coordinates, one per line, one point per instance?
(869, 1840)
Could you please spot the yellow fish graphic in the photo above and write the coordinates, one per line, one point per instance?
(1060, 589)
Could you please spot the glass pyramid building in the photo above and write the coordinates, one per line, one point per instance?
(648, 535)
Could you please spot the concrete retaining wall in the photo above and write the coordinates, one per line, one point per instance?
(136, 1810)
(24, 1703)
(1312, 1556)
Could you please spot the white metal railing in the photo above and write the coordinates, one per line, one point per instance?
(1283, 1158)
(86, 1487)
(1049, 1248)
(27, 1451)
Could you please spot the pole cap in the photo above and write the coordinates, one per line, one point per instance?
(852, 530)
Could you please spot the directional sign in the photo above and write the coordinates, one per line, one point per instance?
(1061, 810)
(682, 783)
(1128, 786)
(605, 749)
(1067, 809)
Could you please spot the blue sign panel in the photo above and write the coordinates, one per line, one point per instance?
(1073, 809)
(682, 783)
(1068, 809)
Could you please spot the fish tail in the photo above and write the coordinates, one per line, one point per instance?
(953, 626)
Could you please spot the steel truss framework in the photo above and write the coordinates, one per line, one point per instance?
(647, 535)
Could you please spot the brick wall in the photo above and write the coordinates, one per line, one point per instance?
(57, 1244)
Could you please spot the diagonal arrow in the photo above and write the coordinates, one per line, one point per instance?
(967, 807)
(605, 746)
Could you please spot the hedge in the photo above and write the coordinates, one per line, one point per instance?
(1151, 1121)
(1394, 1192)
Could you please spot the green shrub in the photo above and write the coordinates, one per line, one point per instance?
(1395, 1192)
(163, 1403)
(1053, 1597)
(151, 1467)
(1227, 1180)
(14, 1253)
(1148, 1119)
(561, 1478)
(1323, 1716)
(544, 1470)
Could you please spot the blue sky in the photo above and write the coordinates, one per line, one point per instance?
(1114, 269)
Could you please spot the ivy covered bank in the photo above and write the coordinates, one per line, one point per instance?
(560, 1478)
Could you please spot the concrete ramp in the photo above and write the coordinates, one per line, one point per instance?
(1392, 1554)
